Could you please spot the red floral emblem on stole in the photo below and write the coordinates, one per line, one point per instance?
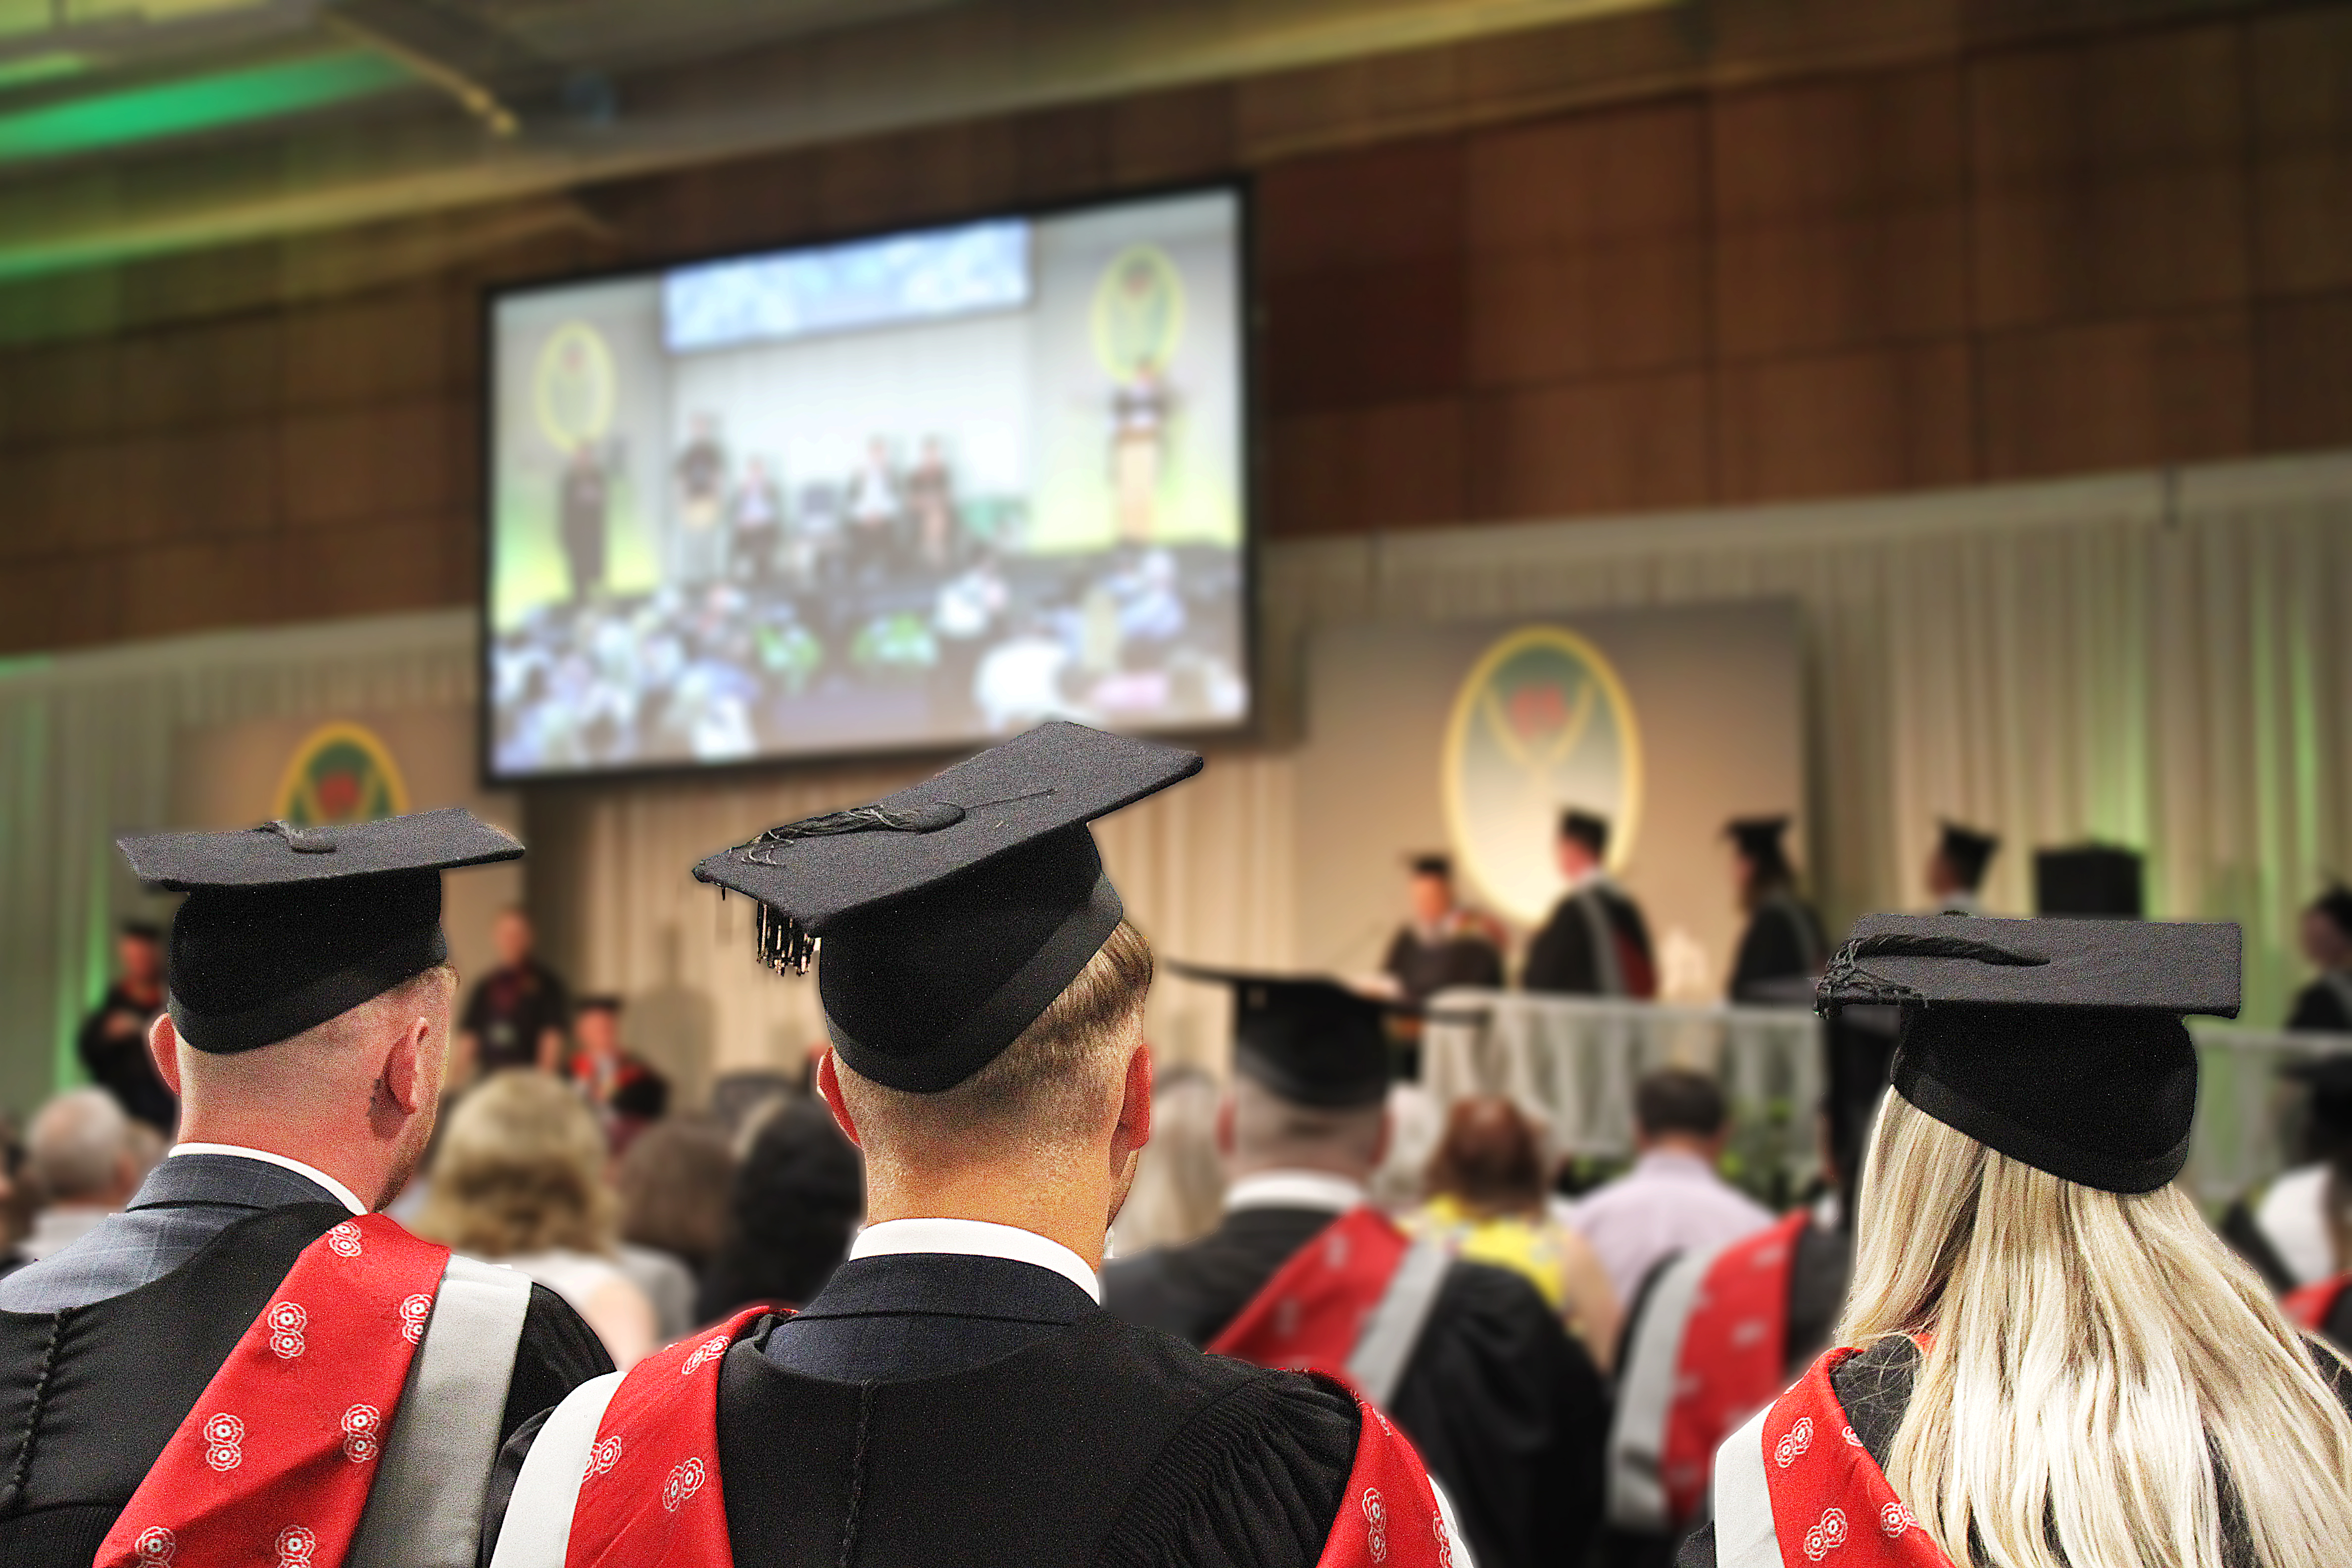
(1817, 1505)
(286, 1320)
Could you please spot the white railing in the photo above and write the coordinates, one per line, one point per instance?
(1572, 1062)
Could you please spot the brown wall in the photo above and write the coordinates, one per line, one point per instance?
(2125, 246)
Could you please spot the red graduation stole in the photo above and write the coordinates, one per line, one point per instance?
(653, 1492)
(1310, 1314)
(1735, 1347)
(272, 1467)
(2307, 1306)
(1831, 1502)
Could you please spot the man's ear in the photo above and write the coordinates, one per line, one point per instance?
(828, 1084)
(163, 1049)
(1134, 1128)
(404, 1077)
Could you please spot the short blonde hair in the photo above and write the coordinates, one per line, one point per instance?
(521, 1170)
(1048, 1087)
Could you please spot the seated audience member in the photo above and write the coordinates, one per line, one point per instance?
(1503, 1404)
(673, 1183)
(628, 1093)
(83, 1164)
(2325, 1005)
(2047, 1358)
(1180, 1183)
(1672, 1200)
(2294, 1230)
(797, 1198)
(112, 1043)
(516, 1013)
(520, 1180)
(1486, 1187)
(1443, 943)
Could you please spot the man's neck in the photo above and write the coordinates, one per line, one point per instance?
(368, 1181)
(1075, 1214)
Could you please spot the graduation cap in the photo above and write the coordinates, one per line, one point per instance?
(1311, 1040)
(1432, 863)
(1588, 828)
(285, 927)
(1759, 839)
(952, 913)
(1967, 852)
(2087, 879)
(2059, 1043)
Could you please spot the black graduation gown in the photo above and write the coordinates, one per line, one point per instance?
(1782, 944)
(1560, 958)
(930, 1408)
(1504, 1405)
(1421, 969)
(90, 1394)
(2324, 1006)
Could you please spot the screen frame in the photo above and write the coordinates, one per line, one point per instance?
(1241, 186)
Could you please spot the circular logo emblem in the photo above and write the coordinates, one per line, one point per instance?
(1541, 725)
(1139, 311)
(574, 386)
(341, 773)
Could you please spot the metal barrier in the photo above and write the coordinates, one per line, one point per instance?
(1572, 1062)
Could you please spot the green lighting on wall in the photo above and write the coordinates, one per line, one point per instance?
(28, 71)
(199, 103)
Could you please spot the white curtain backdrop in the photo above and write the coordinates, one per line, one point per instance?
(2162, 660)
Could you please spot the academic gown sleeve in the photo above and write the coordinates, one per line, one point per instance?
(1509, 1414)
(1561, 957)
(1773, 948)
(1254, 1481)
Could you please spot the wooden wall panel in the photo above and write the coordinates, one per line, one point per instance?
(2122, 239)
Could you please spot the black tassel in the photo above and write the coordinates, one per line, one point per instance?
(784, 943)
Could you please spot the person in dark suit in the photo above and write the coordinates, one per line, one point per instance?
(954, 1392)
(1503, 1403)
(1596, 943)
(307, 1031)
(1782, 951)
(1956, 869)
(112, 1043)
(2325, 1005)
(1443, 944)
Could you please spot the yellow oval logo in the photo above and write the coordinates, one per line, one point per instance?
(1541, 725)
(341, 773)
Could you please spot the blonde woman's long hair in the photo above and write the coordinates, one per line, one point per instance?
(522, 1170)
(2096, 1364)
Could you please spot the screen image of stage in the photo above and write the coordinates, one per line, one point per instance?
(920, 491)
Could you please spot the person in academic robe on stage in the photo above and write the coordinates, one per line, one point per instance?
(1501, 1401)
(1720, 1331)
(1596, 943)
(1782, 951)
(1444, 943)
(250, 1363)
(2047, 1358)
(1956, 869)
(2325, 1005)
(955, 1392)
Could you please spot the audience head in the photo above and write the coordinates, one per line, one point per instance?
(138, 956)
(1261, 1130)
(1490, 1159)
(513, 937)
(1432, 887)
(81, 1153)
(674, 1184)
(1050, 1100)
(1676, 1108)
(521, 1170)
(796, 1199)
(1584, 843)
(2327, 929)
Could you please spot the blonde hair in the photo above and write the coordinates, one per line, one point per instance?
(1047, 1089)
(522, 1169)
(2104, 1384)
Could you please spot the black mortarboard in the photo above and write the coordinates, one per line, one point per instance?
(599, 1001)
(1759, 839)
(1586, 828)
(1311, 1040)
(1967, 852)
(142, 931)
(951, 913)
(285, 927)
(2089, 880)
(2059, 1043)
(2336, 904)
(1432, 864)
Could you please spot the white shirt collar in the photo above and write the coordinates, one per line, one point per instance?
(1295, 1190)
(976, 1238)
(308, 1173)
